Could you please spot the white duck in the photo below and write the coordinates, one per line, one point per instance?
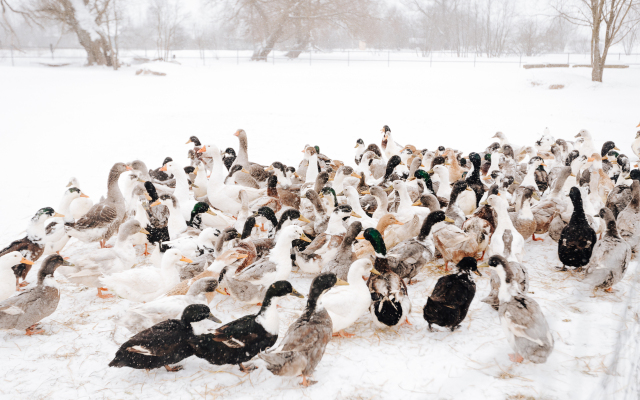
(587, 148)
(496, 247)
(147, 283)
(529, 179)
(389, 147)
(406, 211)
(635, 145)
(57, 237)
(176, 225)
(7, 276)
(345, 304)
(181, 192)
(354, 201)
(200, 183)
(81, 205)
(576, 166)
(444, 189)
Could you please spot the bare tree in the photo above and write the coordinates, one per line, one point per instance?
(168, 17)
(614, 14)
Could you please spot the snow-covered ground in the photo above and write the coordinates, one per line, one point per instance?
(63, 122)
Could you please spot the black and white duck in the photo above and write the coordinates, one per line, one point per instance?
(578, 238)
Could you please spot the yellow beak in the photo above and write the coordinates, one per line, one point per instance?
(375, 271)
(305, 238)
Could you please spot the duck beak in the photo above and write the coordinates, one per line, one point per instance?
(375, 271)
(144, 231)
(543, 164)
(211, 212)
(68, 264)
(354, 214)
(241, 256)
(412, 178)
(417, 203)
(25, 261)
(305, 238)
(202, 149)
(627, 177)
(128, 167)
(296, 175)
(398, 223)
(237, 133)
(447, 219)
(185, 259)
(430, 172)
(155, 203)
(366, 191)
(303, 219)
(141, 180)
(146, 196)
(195, 171)
(605, 157)
(355, 175)
(359, 145)
(616, 148)
(69, 184)
(536, 196)
(269, 168)
(214, 319)
(477, 272)
(469, 189)
(389, 189)
(244, 170)
(361, 237)
(483, 265)
(590, 159)
(296, 293)
(58, 215)
(164, 168)
(484, 203)
(340, 282)
(193, 185)
(221, 291)
(578, 135)
(486, 178)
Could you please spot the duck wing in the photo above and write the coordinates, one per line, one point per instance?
(238, 333)
(525, 319)
(160, 340)
(451, 291)
(100, 215)
(255, 273)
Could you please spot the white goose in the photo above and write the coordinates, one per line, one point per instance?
(496, 247)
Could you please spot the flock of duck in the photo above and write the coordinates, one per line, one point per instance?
(226, 225)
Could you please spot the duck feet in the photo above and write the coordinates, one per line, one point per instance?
(516, 358)
(406, 322)
(609, 290)
(446, 266)
(535, 239)
(173, 369)
(145, 252)
(33, 330)
(262, 228)
(246, 369)
(344, 334)
(482, 256)
(563, 268)
(102, 295)
(23, 284)
(307, 382)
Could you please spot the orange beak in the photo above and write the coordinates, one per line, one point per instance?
(241, 256)
(486, 178)
(164, 168)
(590, 159)
(129, 168)
(25, 261)
(638, 126)
(188, 141)
(237, 133)
(185, 259)
(543, 164)
(83, 195)
(155, 203)
(399, 223)
(202, 149)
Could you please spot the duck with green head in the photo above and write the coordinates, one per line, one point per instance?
(196, 215)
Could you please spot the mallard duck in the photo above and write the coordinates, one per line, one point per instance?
(340, 258)
(250, 285)
(520, 275)
(104, 218)
(621, 195)
(271, 200)
(481, 225)
(32, 245)
(578, 238)
(346, 304)
(88, 270)
(449, 302)
(28, 308)
(504, 223)
(147, 283)
(197, 218)
(522, 320)
(453, 209)
(7, 262)
(629, 219)
(547, 209)
(610, 257)
(306, 339)
(144, 316)
(176, 224)
(453, 243)
(158, 217)
(408, 257)
(390, 303)
(325, 246)
(164, 343)
(241, 340)
(81, 205)
(523, 219)
(388, 145)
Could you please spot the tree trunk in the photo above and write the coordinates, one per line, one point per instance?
(261, 53)
(98, 51)
(301, 44)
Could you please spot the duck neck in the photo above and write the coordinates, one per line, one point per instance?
(405, 200)
(338, 182)
(335, 225)
(181, 191)
(176, 223)
(114, 195)
(312, 170)
(453, 198)
(354, 277)
(578, 213)
(35, 230)
(383, 205)
(243, 151)
(268, 315)
(475, 174)
(634, 204)
(425, 230)
(504, 221)
(612, 229)
(525, 209)
(383, 224)
(216, 180)
(281, 256)
(170, 273)
(64, 208)
(312, 303)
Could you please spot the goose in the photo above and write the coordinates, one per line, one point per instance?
(104, 218)
(504, 223)
(242, 158)
(629, 219)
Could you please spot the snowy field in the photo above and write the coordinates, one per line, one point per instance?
(63, 122)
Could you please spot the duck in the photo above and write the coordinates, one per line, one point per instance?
(192, 247)
(523, 220)
(578, 238)
(353, 200)
(164, 343)
(390, 303)
(395, 232)
(453, 209)
(360, 149)
(147, 283)
(143, 316)
(249, 286)
(408, 257)
(32, 245)
(176, 224)
(576, 166)
(388, 145)
(449, 302)
(628, 220)
(481, 225)
(621, 195)
(272, 198)
(545, 211)
(453, 243)
(242, 177)
(339, 259)
(80, 205)
(220, 196)
(88, 270)
(345, 304)
(24, 311)
(587, 148)
(530, 177)
(197, 219)
(158, 216)
(7, 262)
(242, 158)
(307, 337)
(504, 223)
(182, 189)
(635, 145)
(473, 179)
(326, 246)
(610, 257)
(522, 319)
(103, 219)
(541, 178)
(241, 340)
(406, 211)
(520, 274)
(444, 190)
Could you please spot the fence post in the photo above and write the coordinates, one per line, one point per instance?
(348, 54)
(388, 58)
(520, 62)
(310, 52)
(568, 55)
(237, 57)
(474, 60)
(273, 54)
(12, 64)
(430, 59)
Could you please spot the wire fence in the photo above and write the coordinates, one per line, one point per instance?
(77, 57)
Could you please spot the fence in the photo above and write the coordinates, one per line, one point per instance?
(389, 58)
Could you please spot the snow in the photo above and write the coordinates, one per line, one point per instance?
(58, 123)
